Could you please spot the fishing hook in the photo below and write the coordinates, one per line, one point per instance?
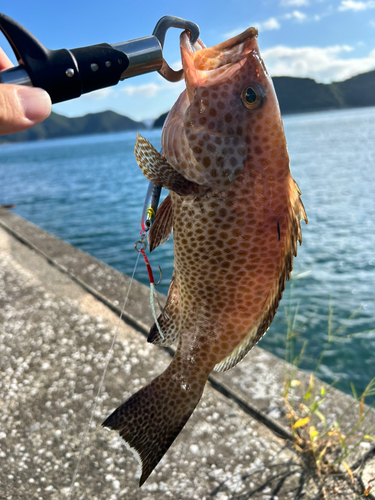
(161, 276)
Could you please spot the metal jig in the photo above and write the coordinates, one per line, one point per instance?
(148, 215)
(150, 206)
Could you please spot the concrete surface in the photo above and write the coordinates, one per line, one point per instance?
(58, 314)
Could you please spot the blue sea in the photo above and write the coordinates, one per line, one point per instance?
(89, 191)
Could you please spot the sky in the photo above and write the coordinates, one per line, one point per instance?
(321, 39)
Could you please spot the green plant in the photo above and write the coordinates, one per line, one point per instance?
(324, 445)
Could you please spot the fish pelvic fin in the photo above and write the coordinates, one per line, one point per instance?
(161, 228)
(157, 169)
(168, 320)
(151, 419)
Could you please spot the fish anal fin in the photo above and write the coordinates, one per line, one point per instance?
(168, 320)
(238, 353)
(157, 169)
(150, 420)
(161, 228)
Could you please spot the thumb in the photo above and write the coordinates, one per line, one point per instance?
(22, 107)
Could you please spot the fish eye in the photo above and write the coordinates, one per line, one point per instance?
(253, 96)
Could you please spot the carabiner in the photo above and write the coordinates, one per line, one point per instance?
(160, 31)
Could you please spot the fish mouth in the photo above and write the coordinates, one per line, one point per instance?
(212, 65)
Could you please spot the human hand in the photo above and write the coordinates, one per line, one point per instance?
(20, 107)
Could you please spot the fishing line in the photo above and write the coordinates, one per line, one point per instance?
(109, 356)
(148, 216)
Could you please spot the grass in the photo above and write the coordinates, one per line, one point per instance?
(322, 442)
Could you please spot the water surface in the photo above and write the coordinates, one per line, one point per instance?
(89, 192)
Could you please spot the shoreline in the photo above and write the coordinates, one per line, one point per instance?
(4, 142)
(54, 288)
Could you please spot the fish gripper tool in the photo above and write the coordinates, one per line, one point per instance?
(67, 74)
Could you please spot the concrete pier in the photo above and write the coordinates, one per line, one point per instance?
(59, 311)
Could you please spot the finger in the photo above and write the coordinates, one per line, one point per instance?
(22, 107)
(5, 62)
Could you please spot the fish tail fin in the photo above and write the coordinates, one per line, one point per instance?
(151, 419)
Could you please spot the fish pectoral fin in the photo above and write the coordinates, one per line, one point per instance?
(161, 228)
(168, 320)
(157, 169)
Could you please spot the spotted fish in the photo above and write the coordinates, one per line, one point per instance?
(235, 211)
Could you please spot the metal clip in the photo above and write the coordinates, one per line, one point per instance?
(141, 242)
(160, 31)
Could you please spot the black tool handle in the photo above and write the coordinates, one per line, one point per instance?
(64, 74)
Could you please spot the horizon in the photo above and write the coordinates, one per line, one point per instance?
(328, 41)
(153, 119)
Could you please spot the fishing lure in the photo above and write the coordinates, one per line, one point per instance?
(150, 206)
(148, 216)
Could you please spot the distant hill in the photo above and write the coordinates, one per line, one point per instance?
(62, 126)
(301, 95)
(359, 91)
(296, 95)
(159, 122)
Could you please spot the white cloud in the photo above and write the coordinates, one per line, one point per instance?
(296, 15)
(356, 5)
(176, 65)
(274, 23)
(162, 88)
(98, 95)
(269, 24)
(323, 64)
(294, 3)
(237, 31)
(145, 90)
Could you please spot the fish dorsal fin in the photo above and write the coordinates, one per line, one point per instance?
(168, 320)
(296, 214)
(161, 228)
(157, 169)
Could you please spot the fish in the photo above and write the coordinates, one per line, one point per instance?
(236, 214)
